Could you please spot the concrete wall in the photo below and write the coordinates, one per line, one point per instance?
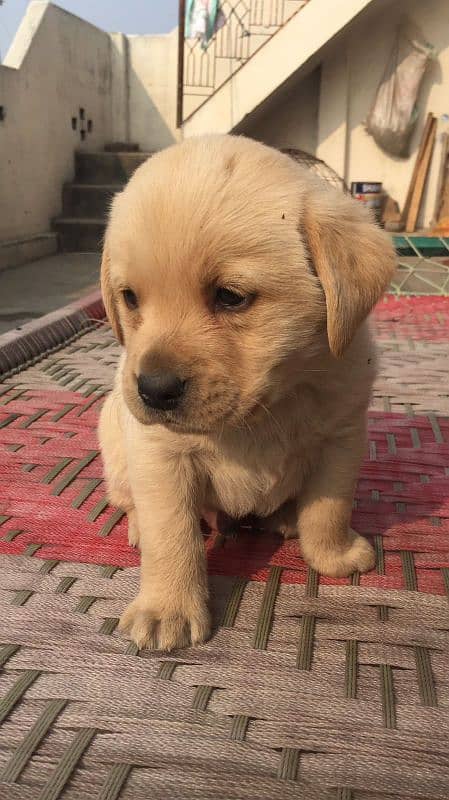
(152, 89)
(351, 72)
(290, 120)
(57, 65)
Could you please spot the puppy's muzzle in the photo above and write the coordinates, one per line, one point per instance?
(161, 390)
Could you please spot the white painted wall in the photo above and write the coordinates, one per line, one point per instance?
(290, 120)
(351, 72)
(153, 64)
(57, 64)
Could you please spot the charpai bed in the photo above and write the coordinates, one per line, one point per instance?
(309, 688)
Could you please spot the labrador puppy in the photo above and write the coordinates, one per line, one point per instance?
(238, 285)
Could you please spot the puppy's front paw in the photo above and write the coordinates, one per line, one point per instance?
(339, 562)
(165, 630)
(133, 530)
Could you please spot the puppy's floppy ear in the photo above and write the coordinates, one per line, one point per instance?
(352, 257)
(107, 294)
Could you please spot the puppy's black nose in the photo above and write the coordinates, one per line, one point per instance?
(161, 389)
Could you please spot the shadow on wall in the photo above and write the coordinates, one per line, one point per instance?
(366, 68)
(148, 127)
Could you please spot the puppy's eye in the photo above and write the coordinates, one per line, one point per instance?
(229, 300)
(130, 299)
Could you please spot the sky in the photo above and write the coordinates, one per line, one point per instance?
(126, 16)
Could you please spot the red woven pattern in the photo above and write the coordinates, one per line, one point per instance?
(52, 499)
(416, 318)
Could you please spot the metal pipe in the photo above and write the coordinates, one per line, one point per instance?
(180, 88)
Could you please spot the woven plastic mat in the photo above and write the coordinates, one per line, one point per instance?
(309, 687)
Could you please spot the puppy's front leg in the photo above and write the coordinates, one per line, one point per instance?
(328, 543)
(170, 610)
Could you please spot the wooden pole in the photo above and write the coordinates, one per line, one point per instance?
(180, 88)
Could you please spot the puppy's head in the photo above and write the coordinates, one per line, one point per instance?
(226, 269)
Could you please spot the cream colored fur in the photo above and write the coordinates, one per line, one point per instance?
(273, 422)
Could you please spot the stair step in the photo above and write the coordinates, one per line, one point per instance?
(121, 147)
(80, 234)
(101, 167)
(88, 199)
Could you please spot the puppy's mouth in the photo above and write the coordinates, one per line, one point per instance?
(172, 420)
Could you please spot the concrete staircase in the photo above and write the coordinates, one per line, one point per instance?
(85, 201)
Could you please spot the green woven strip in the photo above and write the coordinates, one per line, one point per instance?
(31, 549)
(11, 535)
(305, 644)
(166, 670)
(351, 669)
(312, 583)
(355, 578)
(379, 551)
(401, 508)
(12, 697)
(12, 396)
(382, 613)
(8, 388)
(426, 682)
(439, 438)
(21, 597)
(65, 584)
(98, 509)
(424, 479)
(93, 387)
(264, 621)
(86, 492)
(111, 522)
(71, 375)
(288, 765)
(29, 421)
(115, 781)
(109, 570)
(85, 603)
(387, 404)
(63, 411)
(78, 386)
(31, 741)
(8, 420)
(54, 472)
(375, 495)
(435, 520)
(387, 691)
(55, 368)
(445, 571)
(239, 727)
(201, 697)
(109, 625)
(416, 441)
(28, 467)
(4, 518)
(232, 606)
(60, 777)
(6, 652)
(391, 443)
(408, 568)
(131, 649)
(344, 793)
(91, 402)
(372, 451)
(48, 566)
(67, 480)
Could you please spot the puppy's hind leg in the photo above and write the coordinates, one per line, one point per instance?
(115, 465)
